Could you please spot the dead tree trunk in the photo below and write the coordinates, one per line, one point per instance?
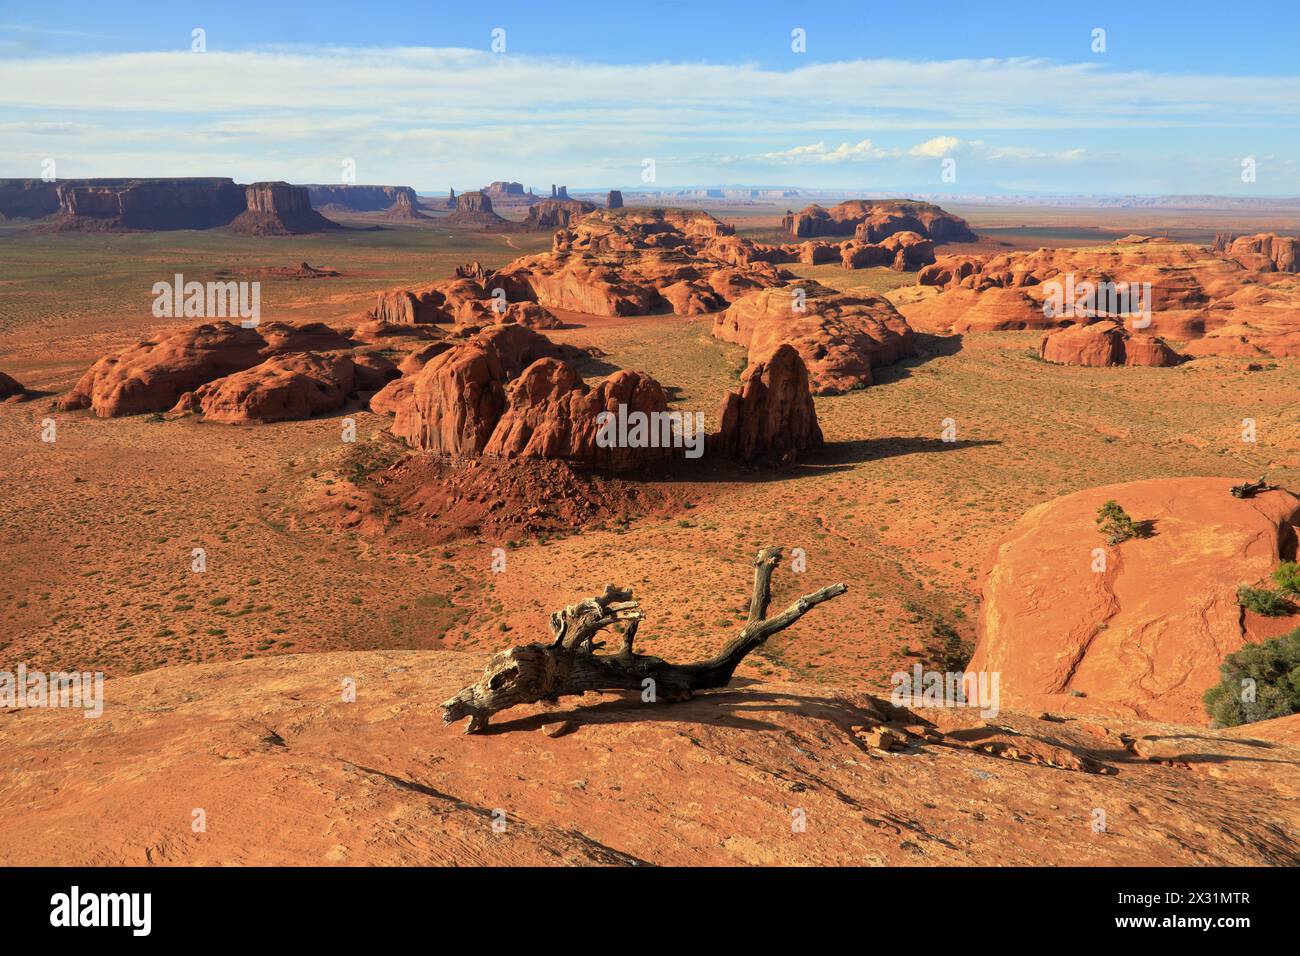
(569, 664)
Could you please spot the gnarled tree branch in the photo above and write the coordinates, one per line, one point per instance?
(569, 664)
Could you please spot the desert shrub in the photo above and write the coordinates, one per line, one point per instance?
(1115, 524)
(1258, 682)
(1287, 577)
(1263, 601)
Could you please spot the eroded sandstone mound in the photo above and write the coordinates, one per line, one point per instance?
(841, 336)
(771, 417)
(474, 209)
(871, 220)
(1105, 343)
(1137, 628)
(151, 376)
(557, 213)
(292, 386)
(279, 209)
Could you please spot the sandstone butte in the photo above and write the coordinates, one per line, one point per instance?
(871, 220)
(771, 417)
(289, 773)
(397, 202)
(841, 336)
(1219, 303)
(1105, 343)
(1145, 636)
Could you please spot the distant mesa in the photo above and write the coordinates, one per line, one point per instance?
(399, 202)
(271, 208)
(871, 220)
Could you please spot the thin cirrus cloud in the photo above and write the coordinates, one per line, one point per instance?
(471, 113)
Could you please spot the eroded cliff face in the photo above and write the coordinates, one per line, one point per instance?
(28, 198)
(364, 198)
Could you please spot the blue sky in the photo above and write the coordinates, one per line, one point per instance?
(1015, 100)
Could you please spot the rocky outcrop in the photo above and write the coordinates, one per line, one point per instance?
(871, 220)
(1265, 252)
(292, 386)
(150, 203)
(614, 200)
(557, 213)
(504, 191)
(1105, 343)
(551, 414)
(771, 416)
(456, 399)
(152, 375)
(964, 310)
(475, 209)
(467, 299)
(841, 336)
(28, 198)
(1144, 632)
(902, 251)
(279, 209)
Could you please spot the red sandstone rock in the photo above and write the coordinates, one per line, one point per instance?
(557, 213)
(1265, 252)
(771, 417)
(552, 414)
(297, 385)
(1146, 635)
(841, 336)
(152, 375)
(454, 402)
(870, 220)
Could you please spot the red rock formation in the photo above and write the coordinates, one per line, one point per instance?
(152, 375)
(962, 310)
(149, 203)
(1145, 635)
(551, 414)
(771, 417)
(398, 201)
(28, 198)
(871, 220)
(557, 213)
(614, 200)
(1104, 343)
(1265, 252)
(841, 336)
(297, 385)
(279, 209)
(455, 400)
(475, 209)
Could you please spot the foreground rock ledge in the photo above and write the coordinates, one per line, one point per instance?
(288, 773)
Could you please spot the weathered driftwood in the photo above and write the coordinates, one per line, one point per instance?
(1248, 489)
(570, 664)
